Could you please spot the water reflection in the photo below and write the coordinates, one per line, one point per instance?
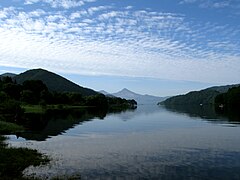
(142, 110)
(41, 126)
(148, 143)
(207, 112)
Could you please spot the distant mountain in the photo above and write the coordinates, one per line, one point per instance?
(103, 92)
(106, 93)
(127, 94)
(205, 96)
(53, 81)
(141, 99)
(8, 74)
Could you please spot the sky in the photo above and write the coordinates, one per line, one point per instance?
(158, 47)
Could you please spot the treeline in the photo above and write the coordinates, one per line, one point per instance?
(193, 98)
(226, 103)
(202, 97)
(230, 99)
(35, 92)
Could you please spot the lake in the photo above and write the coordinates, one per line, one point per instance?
(151, 142)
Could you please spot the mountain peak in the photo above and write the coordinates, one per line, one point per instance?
(141, 99)
(125, 90)
(104, 92)
(39, 70)
(53, 81)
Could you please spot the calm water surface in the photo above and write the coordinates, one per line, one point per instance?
(151, 142)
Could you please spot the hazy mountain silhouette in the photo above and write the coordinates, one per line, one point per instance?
(106, 93)
(141, 99)
(8, 75)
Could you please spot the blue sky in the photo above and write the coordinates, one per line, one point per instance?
(159, 47)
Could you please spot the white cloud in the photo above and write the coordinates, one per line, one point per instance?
(93, 10)
(3, 14)
(218, 4)
(67, 4)
(130, 42)
(76, 15)
(37, 13)
(109, 15)
(221, 4)
(6, 12)
(188, 1)
(31, 1)
(129, 7)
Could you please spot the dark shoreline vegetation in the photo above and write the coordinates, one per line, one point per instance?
(33, 96)
(224, 99)
(29, 106)
(15, 160)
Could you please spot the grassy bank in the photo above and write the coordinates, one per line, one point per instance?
(42, 109)
(9, 128)
(15, 160)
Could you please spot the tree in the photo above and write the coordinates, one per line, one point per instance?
(10, 110)
(28, 97)
(76, 99)
(230, 99)
(7, 79)
(99, 101)
(13, 90)
(3, 96)
(46, 96)
(35, 87)
(60, 98)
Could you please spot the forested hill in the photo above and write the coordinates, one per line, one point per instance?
(205, 96)
(7, 75)
(230, 99)
(222, 89)
(54, 82)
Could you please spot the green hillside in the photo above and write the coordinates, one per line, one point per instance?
(205, 96)
(53, 81)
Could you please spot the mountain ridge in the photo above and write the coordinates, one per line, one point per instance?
(141, 99)
(8, 75)
(204, 96)
(53, 81)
